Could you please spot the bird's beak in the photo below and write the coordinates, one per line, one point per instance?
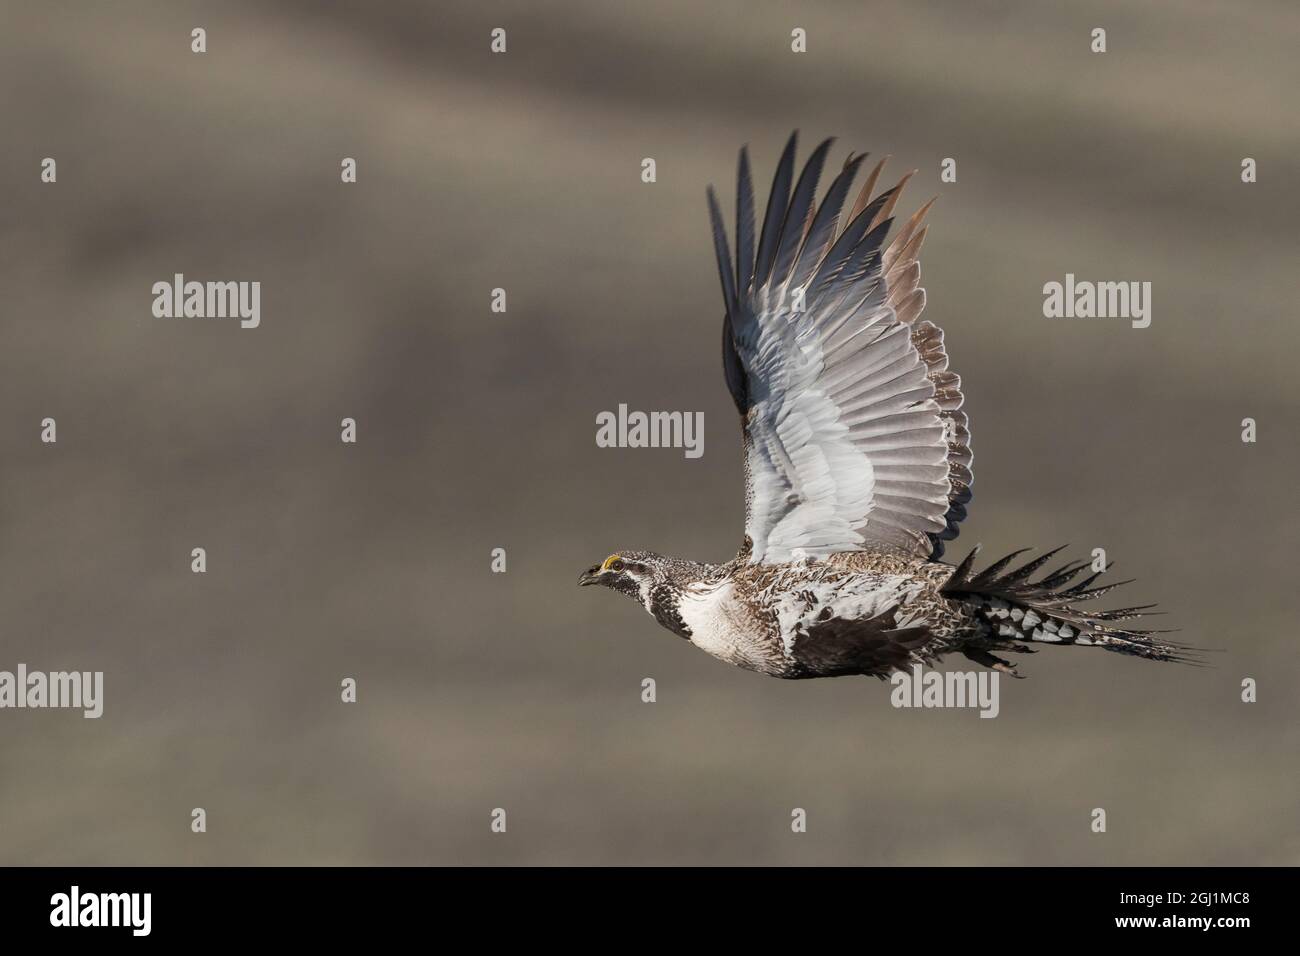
(590, 576)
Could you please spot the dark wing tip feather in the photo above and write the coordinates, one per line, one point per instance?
(774, 217)
(723, 253)
(799, 214)
(744, 223)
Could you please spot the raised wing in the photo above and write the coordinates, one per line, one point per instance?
(854, 436)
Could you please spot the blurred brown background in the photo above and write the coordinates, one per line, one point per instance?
(479, 690)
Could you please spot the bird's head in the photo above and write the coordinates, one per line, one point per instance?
(633, 573)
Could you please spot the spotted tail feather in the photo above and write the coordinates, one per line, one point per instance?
(1016, 608)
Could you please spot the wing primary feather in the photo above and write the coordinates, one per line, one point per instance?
(744, 225)
(865, 259)
(775, 215)
(822, 230)
(888, 208)
(896, 261)
(868, 186)
(845, 247)
(900, 243)
(723, 254)
(798, 217)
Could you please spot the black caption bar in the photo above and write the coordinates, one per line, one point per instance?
(130, 905)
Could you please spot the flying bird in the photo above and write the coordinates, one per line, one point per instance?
(857, 464)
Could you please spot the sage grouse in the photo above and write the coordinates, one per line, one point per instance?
(857, 464)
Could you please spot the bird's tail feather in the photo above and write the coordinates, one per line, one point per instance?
(1014, 608)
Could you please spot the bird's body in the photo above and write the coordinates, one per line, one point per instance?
(857, 466)
(781, 619)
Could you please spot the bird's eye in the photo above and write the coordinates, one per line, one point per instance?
(616, 565)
